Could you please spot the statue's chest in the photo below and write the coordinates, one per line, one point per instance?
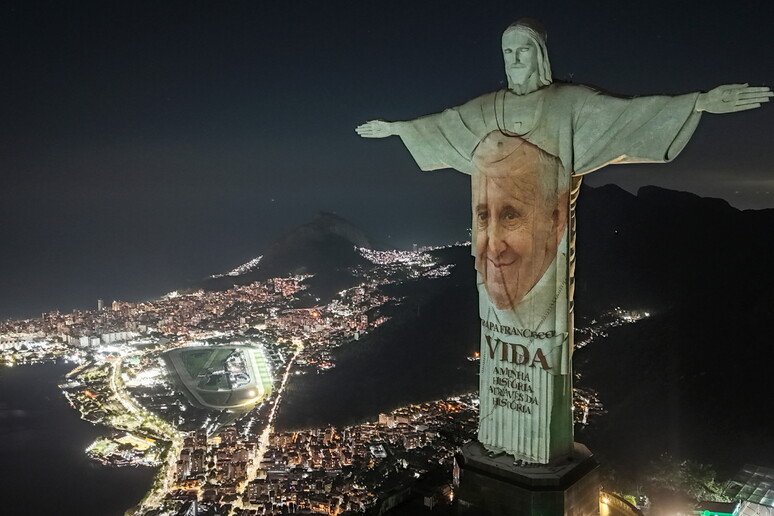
(519, 113)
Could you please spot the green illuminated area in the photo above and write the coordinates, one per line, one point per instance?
(221, 377)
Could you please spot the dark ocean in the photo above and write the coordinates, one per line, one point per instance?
(42, 441)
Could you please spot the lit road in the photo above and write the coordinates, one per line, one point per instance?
(162, 430)
(263, 441)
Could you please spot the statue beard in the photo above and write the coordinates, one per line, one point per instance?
(522, 83)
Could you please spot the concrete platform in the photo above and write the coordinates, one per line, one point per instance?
(496, 485)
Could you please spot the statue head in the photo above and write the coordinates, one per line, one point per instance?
(526, 57)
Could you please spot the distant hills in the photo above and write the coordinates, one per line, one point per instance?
(659, 248)
(324, 247)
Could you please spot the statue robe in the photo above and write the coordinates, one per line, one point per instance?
(525, 372)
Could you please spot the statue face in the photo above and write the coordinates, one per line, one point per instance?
(520, 57)
(517, 227)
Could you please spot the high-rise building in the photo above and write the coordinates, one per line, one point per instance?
(197, 461)
(200, 439)
(184, 465)
(100, 304)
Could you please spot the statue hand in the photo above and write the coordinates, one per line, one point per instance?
(375, 129)
(730, 98)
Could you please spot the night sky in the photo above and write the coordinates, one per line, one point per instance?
(145, 145)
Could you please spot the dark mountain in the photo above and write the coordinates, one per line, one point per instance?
(692, 379)
(324, 247)
(662, 248)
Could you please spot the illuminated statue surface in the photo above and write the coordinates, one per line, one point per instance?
(525, 149)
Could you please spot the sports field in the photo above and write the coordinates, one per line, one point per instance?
(221, 377)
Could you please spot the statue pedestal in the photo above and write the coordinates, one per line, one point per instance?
(495, 486)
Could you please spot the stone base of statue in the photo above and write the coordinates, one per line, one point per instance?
(495, 485)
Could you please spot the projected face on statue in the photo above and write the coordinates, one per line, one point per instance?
(519, 216)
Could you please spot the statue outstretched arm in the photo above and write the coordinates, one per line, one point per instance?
(379, 129)
(651, 129)
(731, 98)
(435, 141)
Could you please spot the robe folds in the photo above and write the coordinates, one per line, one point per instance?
(526, 155)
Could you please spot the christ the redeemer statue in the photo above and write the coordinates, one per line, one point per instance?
(526, 149)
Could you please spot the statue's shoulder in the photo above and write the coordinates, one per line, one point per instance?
(562, 98)
(486, 97)
(569, 91)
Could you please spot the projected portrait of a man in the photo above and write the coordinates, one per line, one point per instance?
(520, 206)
